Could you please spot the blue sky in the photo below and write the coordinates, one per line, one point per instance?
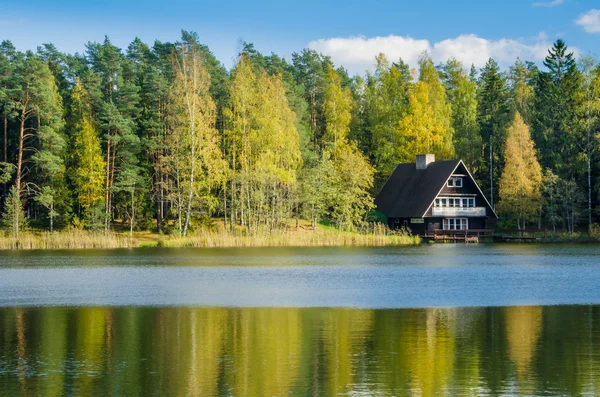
(352, 32)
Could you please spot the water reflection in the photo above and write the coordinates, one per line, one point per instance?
(298, 352)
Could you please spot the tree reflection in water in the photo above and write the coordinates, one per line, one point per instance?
(299, 351)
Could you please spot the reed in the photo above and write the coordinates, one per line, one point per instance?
(291, 238)
(72, 239)
(216, 237)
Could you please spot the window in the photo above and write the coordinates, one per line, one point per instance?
(459, 202)
(456, 224)
(455, 182)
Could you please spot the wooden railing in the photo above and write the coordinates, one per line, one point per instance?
(458, 211)
(441, 234)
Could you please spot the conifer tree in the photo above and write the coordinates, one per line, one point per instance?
(556, 104)
(520, 184)
(493, 113)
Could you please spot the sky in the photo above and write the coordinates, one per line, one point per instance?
(351, 32)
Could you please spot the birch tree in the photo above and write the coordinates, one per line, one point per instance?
(198, 161)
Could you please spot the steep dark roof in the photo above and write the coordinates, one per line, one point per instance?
(409, 191)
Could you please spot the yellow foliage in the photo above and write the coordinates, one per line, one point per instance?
(520, 184)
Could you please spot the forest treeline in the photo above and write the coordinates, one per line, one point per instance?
(164, 137)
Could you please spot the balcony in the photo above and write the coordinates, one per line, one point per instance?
(458, 211)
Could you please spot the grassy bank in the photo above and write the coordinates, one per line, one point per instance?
(72, 239)
(322, 237)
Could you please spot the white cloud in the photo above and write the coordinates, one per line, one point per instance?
(357, 54)
(590, 21)
(548, 3)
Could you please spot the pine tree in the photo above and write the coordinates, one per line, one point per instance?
(520, 184)
(493, 113)
(555, 108)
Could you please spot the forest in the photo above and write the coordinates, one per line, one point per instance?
(163, 137)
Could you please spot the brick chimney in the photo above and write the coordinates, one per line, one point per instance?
(423, 160)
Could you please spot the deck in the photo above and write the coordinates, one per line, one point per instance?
(469, 235)
(474, 235)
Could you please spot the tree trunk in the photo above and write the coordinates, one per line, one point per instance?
(5, 141)
(491, 171)
(51, 216)
(107, 185)
(589, 181)
(131, 218)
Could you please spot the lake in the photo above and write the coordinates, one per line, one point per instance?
(450, 320)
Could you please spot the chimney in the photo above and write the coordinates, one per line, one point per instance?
(423, 160)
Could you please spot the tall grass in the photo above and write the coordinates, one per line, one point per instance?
(72, 239)
(292, 238)
(301, 237)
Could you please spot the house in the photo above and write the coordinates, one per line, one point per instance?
(430, 195)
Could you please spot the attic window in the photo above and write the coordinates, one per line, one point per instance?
(455, 182)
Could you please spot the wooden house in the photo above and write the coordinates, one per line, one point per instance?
(430, 196)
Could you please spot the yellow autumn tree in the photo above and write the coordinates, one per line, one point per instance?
(197, 159)
(427, 126)
(440, 108)
(337, 109)
(521, 180)
(263, 147)
(88, 161)
(347, 186)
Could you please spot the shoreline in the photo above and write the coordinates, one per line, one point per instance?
(80, 239)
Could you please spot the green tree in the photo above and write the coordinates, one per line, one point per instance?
(588, 117)
(492, 116)
(14, 215)
(521, 83)
(555, 107)
(461, 90)
(351, 176)
(386, 97)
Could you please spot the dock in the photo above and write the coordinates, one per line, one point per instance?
(475, 235)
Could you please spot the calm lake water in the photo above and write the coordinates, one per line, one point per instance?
(448, 320)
